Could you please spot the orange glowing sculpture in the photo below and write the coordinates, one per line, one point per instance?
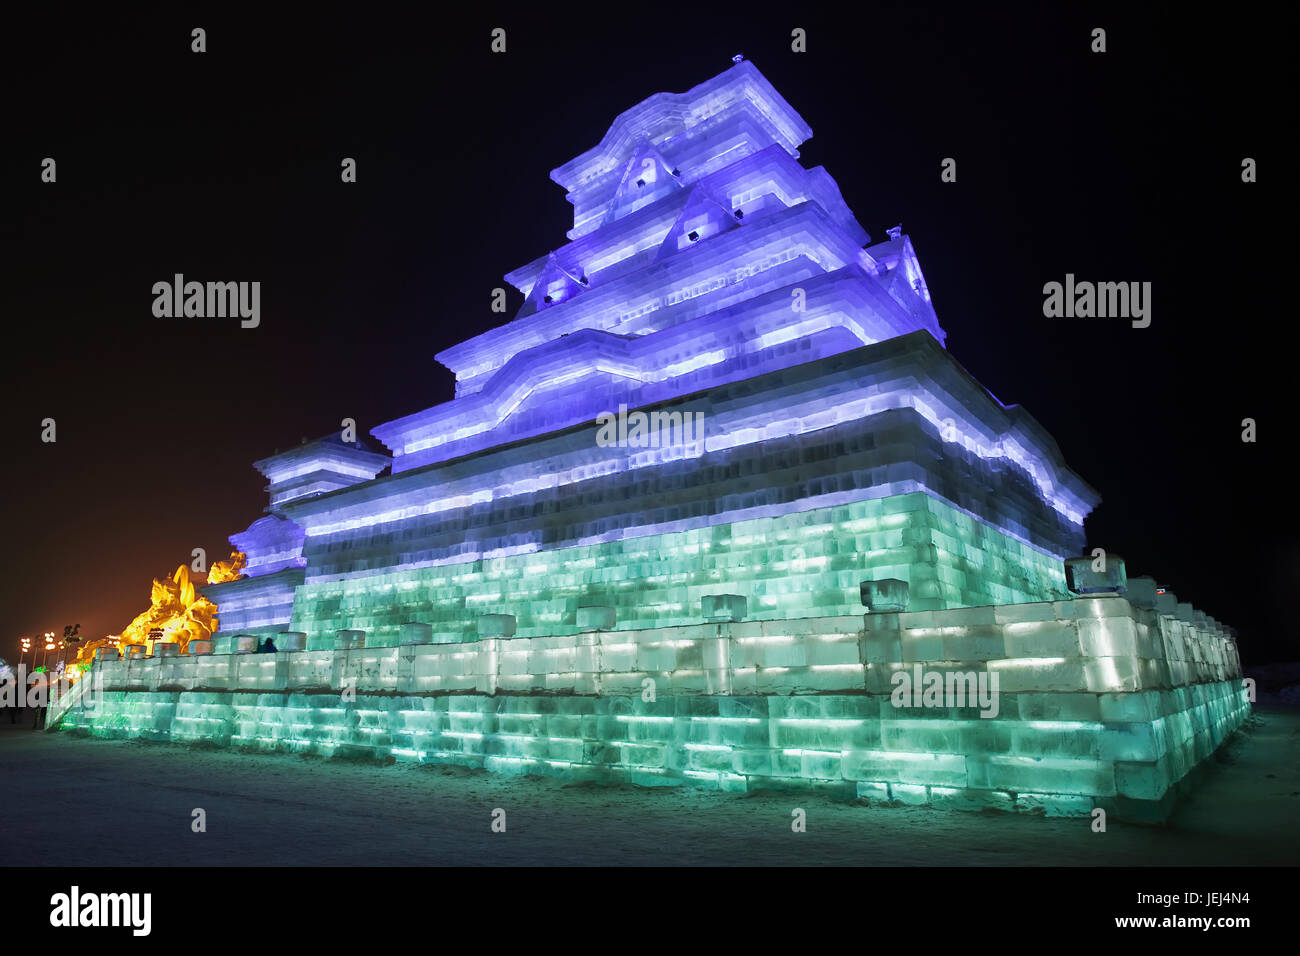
(176, 610)
(228, 570)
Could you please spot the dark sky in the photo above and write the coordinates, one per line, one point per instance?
(1123, 166)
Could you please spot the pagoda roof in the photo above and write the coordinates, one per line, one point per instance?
(664, 115)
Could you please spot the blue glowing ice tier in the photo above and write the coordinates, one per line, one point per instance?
(747, 190)
(711, 256)
(261, 604)
(270, 544)
(723, 119)
(314, 467)
(694, 251)
(261, 601)
(573, 378)
(850, 384)
(900, 415)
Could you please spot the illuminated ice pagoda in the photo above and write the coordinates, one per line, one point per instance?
(637, 543)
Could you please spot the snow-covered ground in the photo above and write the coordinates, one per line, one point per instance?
(79, 801)
(1277, 684)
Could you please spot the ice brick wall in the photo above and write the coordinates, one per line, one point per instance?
(1099, 704)
(847, 425)
(787, 566)
(1089, 645)
(859, 745)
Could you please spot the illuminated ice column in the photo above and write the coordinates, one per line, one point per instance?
(587, 663)
(880, 645)
(716, 651)
(925, 588)
(1171, 637)
(1141, 593)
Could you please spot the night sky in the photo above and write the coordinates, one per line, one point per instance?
(1122, 166)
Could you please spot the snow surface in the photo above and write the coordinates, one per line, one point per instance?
(130, 803)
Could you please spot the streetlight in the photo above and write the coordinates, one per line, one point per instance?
(26, 646)
(49, 646)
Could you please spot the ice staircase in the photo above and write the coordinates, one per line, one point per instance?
(59, 709)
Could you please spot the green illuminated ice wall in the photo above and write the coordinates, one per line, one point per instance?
(1097, 703)
(807, 563)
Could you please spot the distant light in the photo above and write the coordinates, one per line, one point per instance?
(737, 58)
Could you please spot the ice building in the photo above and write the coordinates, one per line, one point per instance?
(638, 542)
